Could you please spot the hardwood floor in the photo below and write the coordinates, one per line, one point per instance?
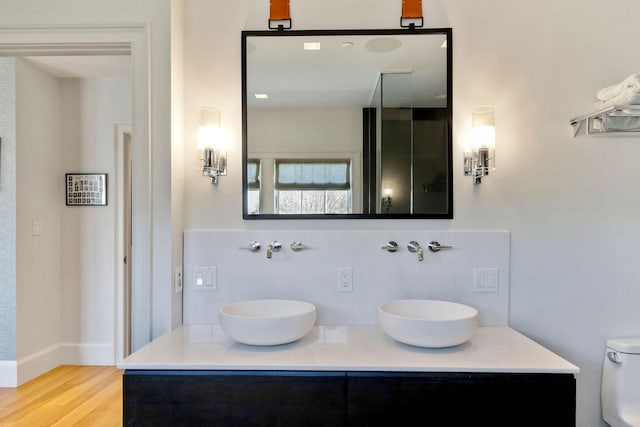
(65, 396)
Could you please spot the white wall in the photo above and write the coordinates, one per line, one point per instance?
(573, 218)
(40, 195)
(90, 107)
(322, 129)
(65, 276)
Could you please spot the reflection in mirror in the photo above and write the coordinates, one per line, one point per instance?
(347, 124)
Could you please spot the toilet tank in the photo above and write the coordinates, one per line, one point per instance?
(620, 386)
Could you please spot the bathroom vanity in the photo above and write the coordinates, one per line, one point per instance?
(346, 376)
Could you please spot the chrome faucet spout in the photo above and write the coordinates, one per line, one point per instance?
(273, 247)
(414, 246)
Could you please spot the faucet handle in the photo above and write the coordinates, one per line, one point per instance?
(275, 246)
(253, 246)
(413, 246)
(298, 246)
(391, 246)
(436, 247)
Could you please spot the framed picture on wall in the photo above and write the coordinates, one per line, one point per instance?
(86, 189)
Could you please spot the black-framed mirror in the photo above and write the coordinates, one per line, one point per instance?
(347, 124)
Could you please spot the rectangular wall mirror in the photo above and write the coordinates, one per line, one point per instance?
(347, 124)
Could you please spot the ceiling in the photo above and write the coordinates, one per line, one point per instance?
(345, 70)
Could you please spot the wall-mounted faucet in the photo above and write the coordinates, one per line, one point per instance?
(275, 246)
(414, 246)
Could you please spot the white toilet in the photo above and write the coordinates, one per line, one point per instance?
(620, 394)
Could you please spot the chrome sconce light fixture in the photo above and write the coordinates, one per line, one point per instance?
(479, 155)
(211, 141)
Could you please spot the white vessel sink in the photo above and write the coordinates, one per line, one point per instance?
(267, 321)
(428, 323)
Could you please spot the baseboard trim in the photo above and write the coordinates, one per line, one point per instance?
(8, 373)
(95, 354)
(37, 363)
(13, 374)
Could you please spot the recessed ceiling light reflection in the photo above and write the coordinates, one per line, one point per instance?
(312, 46)
(261, 96)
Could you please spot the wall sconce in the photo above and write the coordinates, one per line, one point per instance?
(211, 139)
(387, 194)
(479, 156)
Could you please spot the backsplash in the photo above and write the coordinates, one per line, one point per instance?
(313, 274)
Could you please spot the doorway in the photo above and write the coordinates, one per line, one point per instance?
(93, 92)
(124, 233)
(127, 39)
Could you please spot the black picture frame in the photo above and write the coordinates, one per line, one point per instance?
(86, 189)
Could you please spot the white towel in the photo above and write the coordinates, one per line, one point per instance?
(630, 97)
(628, 124)
(631, 83)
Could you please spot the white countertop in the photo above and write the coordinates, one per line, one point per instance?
(346, 348)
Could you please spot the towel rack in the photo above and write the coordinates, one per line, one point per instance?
(595, 123)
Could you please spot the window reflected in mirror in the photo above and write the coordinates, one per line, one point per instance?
(300, 186)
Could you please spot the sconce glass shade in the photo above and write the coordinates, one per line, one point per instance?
(210, 132)
(211, 137)
(211, 140)
(479, 156)
(483, 127)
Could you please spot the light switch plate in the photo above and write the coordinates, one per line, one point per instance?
(206, 278)
(37, 227)
(485, 280)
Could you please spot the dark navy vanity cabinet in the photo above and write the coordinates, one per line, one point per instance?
(332, 399)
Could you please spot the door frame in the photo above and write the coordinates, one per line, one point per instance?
(132, 39)
(121, 325)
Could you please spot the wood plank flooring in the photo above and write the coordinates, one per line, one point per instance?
(65, 396)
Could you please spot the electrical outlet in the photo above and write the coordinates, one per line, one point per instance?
(178, 280)
(345, 279)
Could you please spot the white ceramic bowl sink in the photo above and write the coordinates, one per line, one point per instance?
(267, 321)
(428, 323)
